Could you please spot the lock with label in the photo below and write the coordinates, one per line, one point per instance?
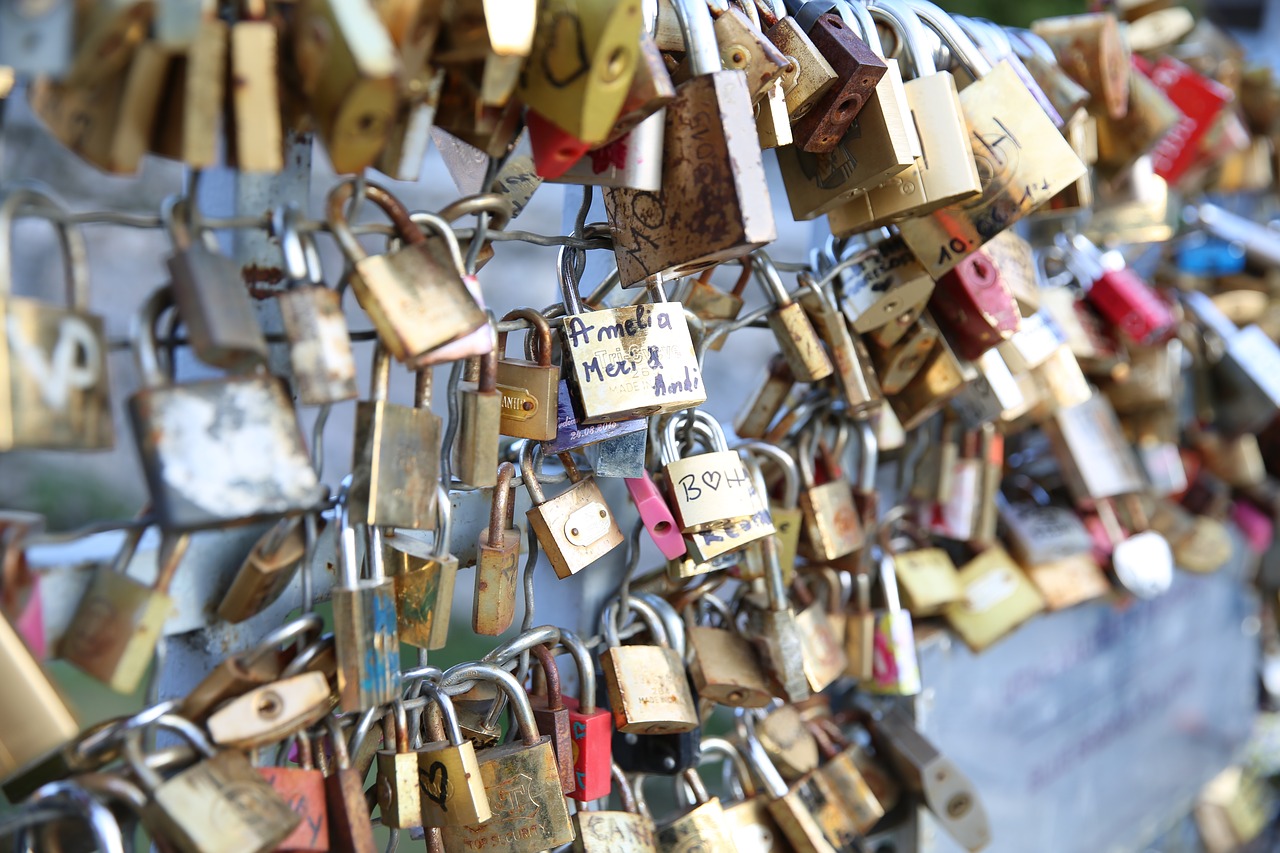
(708, 490)
(884, 290)
(576, 527)
(324, 369)
(895, 668)
(55, 372)
(364, 620)
(998, 597)
(518, 777)
(498, 553)
(710, 141)
(119, 621)
(424, 580)
(529, 390)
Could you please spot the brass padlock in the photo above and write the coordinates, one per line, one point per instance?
(743, 47)
(708, 490)
(576, 527)
(399, 796)
(424, 580)
(255, 129)
(57, 396)
(529, 390)
(449, 780)
(601, 831)
(832, 522)
(766, 400)
(796, 337)
(724, 668)
(702, 827)
(194, 96)
(822, 631)
(519, 776)
(998, 597)
(268, 714)
(710, 141)
(37, 723)
(776, 634)
(631, 674)
(1092, 50)
(498, 553)
(384, 491)
(475, 447)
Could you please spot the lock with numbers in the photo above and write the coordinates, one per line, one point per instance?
(55, 372)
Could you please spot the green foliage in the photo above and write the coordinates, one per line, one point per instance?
(1018, 13)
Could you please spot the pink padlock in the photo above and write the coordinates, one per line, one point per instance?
(1255, 525)
(656, 516)
(30, 622)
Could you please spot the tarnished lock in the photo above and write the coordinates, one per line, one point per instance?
(927, 579)
(475, 447)
(347, 68)
(1245, 396)
(518, 776)
(766, 400)
(647, 685)
(708, 490)
(529, 390)
(498, 553)
(884, 290)
(302, 788)
(552, 715)
(714, 305)
(724, 668)
(210, 294)
(384, 491)
(795, 335)
(856, 381)
(832, 523)
(364, 620)
(860, 631)
(822, 629)
(998, 597)
(1093, 52)
(219, 804)
(601, 831)
(398, 791)
(842, 774)
(268, 714)
(349, 823)
(702, 827)
(424, 580)
(812, 75)
(710, 141)
(119, 621)
(576, 527)
(1022, 159)
(450, 788)
(898, 364)
(776, 634)
(743, 47)
(895, 668)
(324, 368)
(194, 96)
(974, 307)
(55, 358)
(746, 818)
(255, 133)
(416, 302)
(788, 518)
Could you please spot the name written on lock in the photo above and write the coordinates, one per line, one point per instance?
(628, 356)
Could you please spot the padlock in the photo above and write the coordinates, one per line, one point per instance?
(884, 290)
(895, 668)
(944, 789)
(268, 569)
(812, 75)
(710, 141)
(529, 391)
(399, 795)
(474, 33)
(519, 776)
(708, 490)
(194, 96)
(708, 548)
(220, 483)
(776, 634)
(855, 380)
(576, 527)
(790, 746)
(498, 553)
(255, 130)
(1142, 562)
(743, 47)
(1244, 397)
(1199, 99)
(822, 632)
(324, 368)
(940, 378)
(1095, 458)
(210, 294)
(1123, 299)
(656, 516)
(590, 727)
(832, 523)
(424, 580)
(602, 830)
(37, 723)
(347, 69)
(974, 307)
(1199, 543)
(714, 305)
(1093, 52)
(628, 362)
(119, 621)
(268, 714)
(350, 826)
(219, 804)
(747, 819)
(1038, 532)
(809, 812)
(788, 518)
(843, 777)
(302, 788)
(572, 435)
(998, 597)
(702, 827)
(1005, 123)
(767, 399)
(384, 491)
(552, 716)
(475, 447)
(1153, 381)
(448, 776)
(647, 684)
(58, 401)
(364, 620)
(860, 631)
(724, 668)
(580, 81)
(416, 303)
(899, 363)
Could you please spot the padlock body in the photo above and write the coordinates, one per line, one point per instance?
(399, 795)
(823, 649)
(556, 724)
(832, 523)
(450, 784)
(703, 828)
(114, 632)
(475, 450)
(386, 488)
(529, 393)
(1130, 305)
(974, 307)
(349, 821)
(494, 603)
(648, 690)
(575, 528)
(895, 668)
(34, 718)
(858, 70)
(263, 577)
(303, 790)
(609, 832)
(592, 736)
(55, 371)
(725, 669)
(842, 775)
(368, 647)
(998, 597)
(711, 490)
(215, 307)
(199, 476)
(324, 368)
(424, 599)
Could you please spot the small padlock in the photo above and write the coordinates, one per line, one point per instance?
(747, 820)
(449, 780)
(350, 826)
(302, 788)
(631, 673)
(796, 338)
(424, 581)
(860, 631)
(529, 390)
(268, 569)
(702, 827)
(498, 556)
(708, 490)
(832, 523)
(519, 776)
(475, 449)
(268, 714)
(776, 634)
(364, 620)
(788, 518)
(895, 668)
(576, 527)
(590, 727)
(324, 368)
(974, 307)
(821, 633)
(841, 773)
(55, 373)
(724, 668)
(766, 400)
(552, 716)
(601, 830)
(219, 482)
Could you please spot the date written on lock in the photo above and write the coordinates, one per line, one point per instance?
(633, 362)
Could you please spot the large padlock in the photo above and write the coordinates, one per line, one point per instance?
(191, 441)
(55, 370)
(416, 302)
(39, 724)
(710, 142)
(366, 642)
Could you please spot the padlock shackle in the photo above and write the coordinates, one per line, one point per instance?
(769, 278)
(868, 457)
(771, 11)
(586, 670)
(340, 227)
(857, 18)
(756, 756)
(445, 231)
(32, 199)
(889, 580)
(516, 697)
(961, 46)
(502, 508)
(527, 473)
(398, 719)
(136, 759)
(177, 216)
(693, 782)
(143, 338)
(444, 522)
(622, 786)
(380, 374)
(807, 12)
(911, 36)
(747, 8)
(539, 334)
(348, 556)
(499, 208)
(102, 824)
(735, 765)
(646, 614)
(785, 461)
(698, 30)
(551, 671)
(448, 712)
(341, 755)
(302, 265)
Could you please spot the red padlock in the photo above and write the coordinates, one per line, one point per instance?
(554, 150)
(974, 307)
(1199, 99)
(590, 728)
(303, 789)
(1130, 305)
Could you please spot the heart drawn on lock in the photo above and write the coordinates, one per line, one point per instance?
(712, 479)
